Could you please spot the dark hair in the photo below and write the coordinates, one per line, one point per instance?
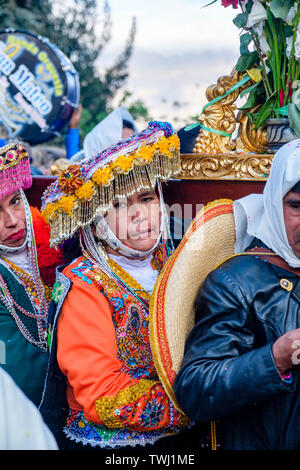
(128, 124)
(71, 248)
(296, 188)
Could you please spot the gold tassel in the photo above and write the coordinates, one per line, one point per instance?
(213, 435)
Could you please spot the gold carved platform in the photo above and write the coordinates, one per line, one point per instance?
(222, 157)
(245, 167)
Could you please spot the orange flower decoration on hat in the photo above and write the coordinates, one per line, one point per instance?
(70, 179)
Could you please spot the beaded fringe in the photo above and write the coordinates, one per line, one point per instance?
(109, 444)
(139, 178)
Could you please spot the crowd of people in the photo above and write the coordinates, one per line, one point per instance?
(76, 279)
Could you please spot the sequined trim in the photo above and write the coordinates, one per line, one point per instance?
(66, 283)
(108, 408)
(79, 429)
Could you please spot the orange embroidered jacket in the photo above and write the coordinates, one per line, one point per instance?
(103, 350)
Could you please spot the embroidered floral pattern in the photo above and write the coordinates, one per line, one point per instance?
(81, 271)
(143, 405)
(111, 410)
(58, 289)
(158, 260)
(133, 344)
(152, 414)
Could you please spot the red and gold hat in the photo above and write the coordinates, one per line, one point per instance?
(14, 169)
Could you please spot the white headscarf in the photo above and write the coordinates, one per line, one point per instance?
(107, 132)
(261, 215)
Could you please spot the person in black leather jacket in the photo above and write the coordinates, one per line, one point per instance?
(240, 367)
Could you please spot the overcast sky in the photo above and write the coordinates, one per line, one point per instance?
(180, 49)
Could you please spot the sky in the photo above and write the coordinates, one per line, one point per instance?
(180, 49)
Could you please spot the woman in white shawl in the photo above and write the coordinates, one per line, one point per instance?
(262, 215)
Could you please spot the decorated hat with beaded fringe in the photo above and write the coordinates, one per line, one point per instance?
(14, 169)
(83, 191)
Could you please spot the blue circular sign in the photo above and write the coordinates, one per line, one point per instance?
(39, 87)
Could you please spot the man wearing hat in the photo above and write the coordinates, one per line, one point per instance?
(241, 364)
(101, 368)
(27, 273)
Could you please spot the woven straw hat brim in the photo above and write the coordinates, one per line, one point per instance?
(207, 243)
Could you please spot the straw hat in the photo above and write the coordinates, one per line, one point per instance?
(208, 242)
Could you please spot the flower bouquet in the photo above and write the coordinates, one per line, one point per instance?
(270, 44)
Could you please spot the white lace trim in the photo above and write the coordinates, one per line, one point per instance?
(115, 445)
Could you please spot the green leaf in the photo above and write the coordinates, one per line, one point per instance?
(288, 30)
(296, 99)
(246, 61)
(249, 6)
(251, 118)
(240, 20)
(250, 89)
(256, 95)
(282, 111)
(280, 8)
(265, 111)
(251, 101)
(245, 40)
(294, 118)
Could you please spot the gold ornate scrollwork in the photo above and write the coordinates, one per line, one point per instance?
(226, 167)
(59, 166)
(249, 138)
(219, 116)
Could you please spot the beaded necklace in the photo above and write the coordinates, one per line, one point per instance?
(33, 286)
(10, 304)
(112, 270)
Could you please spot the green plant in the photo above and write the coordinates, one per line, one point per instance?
(270, 55)
(270, 41)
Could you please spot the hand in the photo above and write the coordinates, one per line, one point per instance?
(286, 350)
(75, 118)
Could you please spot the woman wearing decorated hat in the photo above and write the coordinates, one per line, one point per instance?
(99, 320)
(27, 274)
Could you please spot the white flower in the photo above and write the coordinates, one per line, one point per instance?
(291, 14)
(257, 14)
(289, 42)
(262, 38)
